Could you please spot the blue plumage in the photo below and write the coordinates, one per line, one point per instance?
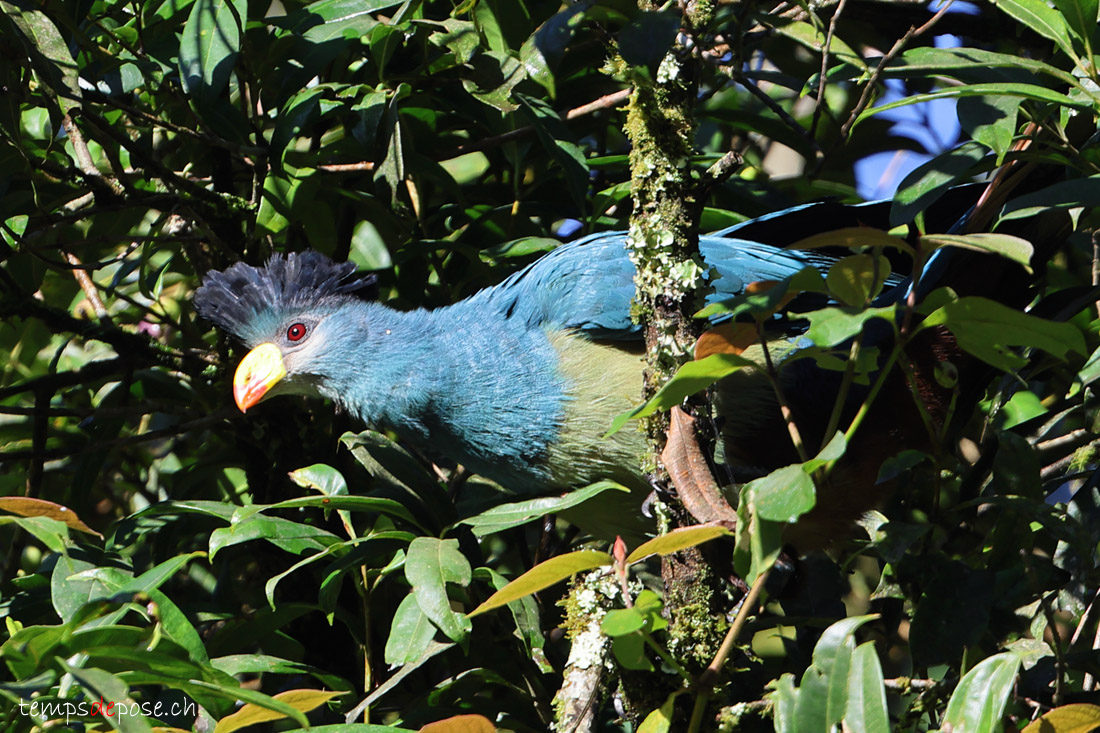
(587, 285)
(508, 382)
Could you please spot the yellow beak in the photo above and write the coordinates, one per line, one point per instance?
(259, 371)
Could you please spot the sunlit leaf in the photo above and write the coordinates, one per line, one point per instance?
(980, 698)
(544, 575)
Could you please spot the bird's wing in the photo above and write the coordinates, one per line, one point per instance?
(587, 285)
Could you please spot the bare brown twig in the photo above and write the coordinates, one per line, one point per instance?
(899, 45)
(820, 105)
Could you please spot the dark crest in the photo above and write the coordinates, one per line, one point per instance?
(235, 297)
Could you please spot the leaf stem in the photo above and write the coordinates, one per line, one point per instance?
(706, 680)
(664, 655)
(781, 398)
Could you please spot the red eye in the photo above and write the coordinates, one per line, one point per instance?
(296, 332)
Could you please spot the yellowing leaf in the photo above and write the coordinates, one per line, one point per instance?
(1076, 718)
(25, 506)
(301, 700)
(544, 575)
(676, 540)
(660, 720)
(461, 724)
(1014, 248)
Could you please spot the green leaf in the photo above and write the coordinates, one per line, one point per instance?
(979, 701)
(460, 37)
(50, 532)
(370, 504)
(273, 581)
(990, 120)
(923, 62)
(29, 650)
(1010, 89)
(692, 377)
(1064, 195)
(429, 566)
(542, 51)
(508, 516)
(178, 627)
(676, 540)
(292, 537)
(276, 201)
(368, 249)
(832, 659)
(237, 664)
(785, 699)
(1080, 15)
(351, 728)
(813, 38)
(322, 478)
(759, 541)
(1044, 20)
(102, 685)
(929, 181)
(521, 247)
(69, 594)
(544, 575)
(1013, 248)
(831, 326)
(209, 46)
(622, 621)
(558, 141)
(525, 612)
(333, 19)
(1023, 406)
(392, 169)
(1090, 372)
(783, 495)
(629, 651)
(866, 708)
(410, 633)
(988, 330)
(53, 62)
(857, 279)
(491, 79)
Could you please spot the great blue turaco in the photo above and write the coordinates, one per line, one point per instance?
(520, 381)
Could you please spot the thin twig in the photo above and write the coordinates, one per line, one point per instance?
(900, 44)
(1052, 470)
(607, 100)
(845, 386)
(705, 682)
(739, 76)
(1096, 263)
(825, 67)
(781, 398)
(89, 288)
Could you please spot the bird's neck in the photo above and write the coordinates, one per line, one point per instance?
(462, 383)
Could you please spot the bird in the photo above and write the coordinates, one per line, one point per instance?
(520, 381)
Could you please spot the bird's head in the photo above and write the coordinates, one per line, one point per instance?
(282, 312)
